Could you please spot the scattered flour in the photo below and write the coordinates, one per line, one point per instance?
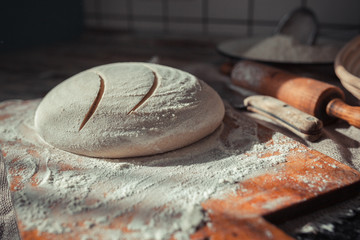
(282, 48)
(153, 197)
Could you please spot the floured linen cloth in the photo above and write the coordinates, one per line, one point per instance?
(8, 225)
(151, 197)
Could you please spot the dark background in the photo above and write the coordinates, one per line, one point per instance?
(25, 24)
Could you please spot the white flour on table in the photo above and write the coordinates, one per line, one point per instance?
(156, 197)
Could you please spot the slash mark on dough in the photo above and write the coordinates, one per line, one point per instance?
(147, 95)
(94, 104)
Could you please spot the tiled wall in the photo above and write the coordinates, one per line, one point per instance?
(338, 18)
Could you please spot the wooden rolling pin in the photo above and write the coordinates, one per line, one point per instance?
(322, 100)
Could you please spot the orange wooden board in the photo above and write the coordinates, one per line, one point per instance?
(307, 180)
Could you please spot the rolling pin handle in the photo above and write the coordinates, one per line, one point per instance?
(338, 108)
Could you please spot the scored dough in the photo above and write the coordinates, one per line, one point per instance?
(127, 110)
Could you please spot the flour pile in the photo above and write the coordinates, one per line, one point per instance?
(152, 197)
(282, 48)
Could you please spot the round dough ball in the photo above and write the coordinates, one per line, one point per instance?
(127, 110)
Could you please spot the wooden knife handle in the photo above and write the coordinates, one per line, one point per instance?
(307, 94)
(338, 108)
(298, 122)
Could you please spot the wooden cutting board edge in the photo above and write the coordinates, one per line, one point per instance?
(327, 182)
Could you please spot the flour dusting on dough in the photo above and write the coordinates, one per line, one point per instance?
(128, 109)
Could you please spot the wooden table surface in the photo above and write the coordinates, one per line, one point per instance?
(31, 73)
